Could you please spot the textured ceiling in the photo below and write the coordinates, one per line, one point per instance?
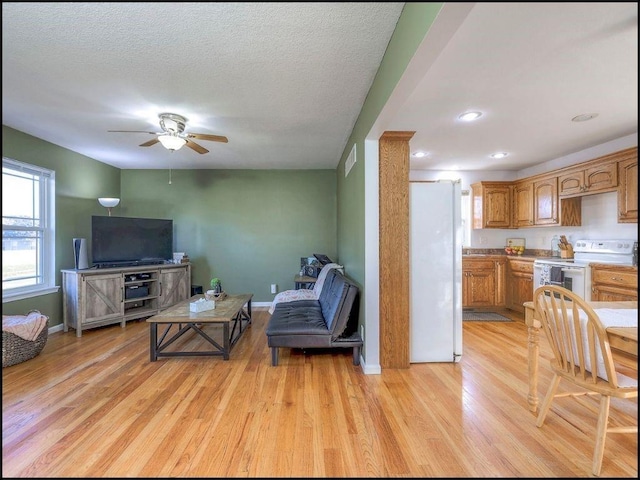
(285, 82)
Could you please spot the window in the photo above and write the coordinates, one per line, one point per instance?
(28, 230)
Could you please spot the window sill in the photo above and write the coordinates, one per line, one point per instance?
(12, 297)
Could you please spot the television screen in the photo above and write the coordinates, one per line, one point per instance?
(124, 240)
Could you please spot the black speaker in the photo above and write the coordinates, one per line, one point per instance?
(80, 256)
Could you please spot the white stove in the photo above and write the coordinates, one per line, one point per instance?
(575, 274)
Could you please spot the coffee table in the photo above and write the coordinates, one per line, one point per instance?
(233, 310)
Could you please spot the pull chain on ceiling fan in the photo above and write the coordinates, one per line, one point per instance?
(173, 136)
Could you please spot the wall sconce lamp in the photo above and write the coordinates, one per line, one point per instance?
(109, 203)
(172, 142)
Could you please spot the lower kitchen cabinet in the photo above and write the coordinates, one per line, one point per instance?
(98, 297)
(519, 283)
(614, 283)
(483, 282)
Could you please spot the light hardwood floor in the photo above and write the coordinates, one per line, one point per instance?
(96, 406)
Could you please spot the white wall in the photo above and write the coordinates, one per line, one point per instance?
(599, 212)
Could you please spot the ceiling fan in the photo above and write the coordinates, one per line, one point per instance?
(173, 136)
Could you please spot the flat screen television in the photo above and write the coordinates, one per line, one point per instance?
(125, 241)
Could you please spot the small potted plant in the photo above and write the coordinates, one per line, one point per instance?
(216, 285)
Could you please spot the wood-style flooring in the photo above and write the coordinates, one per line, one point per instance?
(96, 406)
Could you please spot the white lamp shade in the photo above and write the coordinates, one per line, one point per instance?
(108, 202)
(171, 142)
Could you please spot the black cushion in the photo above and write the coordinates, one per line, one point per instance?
(300, 317)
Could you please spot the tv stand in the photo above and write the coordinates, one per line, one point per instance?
(107, 295)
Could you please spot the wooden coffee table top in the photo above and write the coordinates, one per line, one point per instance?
(225, 311)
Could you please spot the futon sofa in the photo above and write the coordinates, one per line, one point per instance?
(328, 322)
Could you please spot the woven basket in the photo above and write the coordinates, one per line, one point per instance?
(16, 349)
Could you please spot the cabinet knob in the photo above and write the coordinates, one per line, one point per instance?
(617, 279)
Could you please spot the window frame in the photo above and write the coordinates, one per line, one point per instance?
(47, 229)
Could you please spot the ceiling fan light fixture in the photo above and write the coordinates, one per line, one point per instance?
(172, 142)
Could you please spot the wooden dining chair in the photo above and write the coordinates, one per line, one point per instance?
(582, 357)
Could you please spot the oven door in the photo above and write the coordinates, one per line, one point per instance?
(570, 277)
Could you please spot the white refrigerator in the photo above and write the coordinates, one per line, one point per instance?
(435, 264)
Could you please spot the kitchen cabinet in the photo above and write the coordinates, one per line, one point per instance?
(536, 204)
(628, 189)
(523, 204)
(519, 282)
(595, 178)
(483, 282)
(175, 286)
(545, 201)
(98, 297)
(613, 283)
(491, 204)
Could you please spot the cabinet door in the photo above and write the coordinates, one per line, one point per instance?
(601, 177)
(628, 191)
(102, 297)
(523, 204)
(606, 293)
(545, 201)
(174, 286)
(497, 207)
(571, 183)
(519, 284)
(500, 299)
(492, 203)
(520, 290)
(479, 288)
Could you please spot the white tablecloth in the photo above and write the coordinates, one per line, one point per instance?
(618, 317)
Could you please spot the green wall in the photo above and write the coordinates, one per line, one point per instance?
(413, 24)
(247, 227)
(79, 182)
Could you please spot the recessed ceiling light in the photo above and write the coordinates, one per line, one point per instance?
(469, 116)
(499, 155)
(584, 117)
(419, 154)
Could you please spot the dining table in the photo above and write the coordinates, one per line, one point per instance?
(621, 338)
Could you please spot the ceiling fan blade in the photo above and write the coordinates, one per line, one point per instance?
(149, 143)
(196, 147)
(204, 136)
(133, 131)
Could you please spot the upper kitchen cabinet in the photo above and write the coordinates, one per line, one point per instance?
(492, 204)
(523, 204)
(598, 176)
(628, 188)
(545, 201)
(536, 204)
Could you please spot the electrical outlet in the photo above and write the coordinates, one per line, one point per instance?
(274, 288)
(362, 332)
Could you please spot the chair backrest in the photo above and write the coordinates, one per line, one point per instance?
(577, 337)
(336, 301)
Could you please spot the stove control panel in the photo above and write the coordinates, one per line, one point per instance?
(622, 247)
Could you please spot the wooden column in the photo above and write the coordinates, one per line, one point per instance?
(394, 249)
